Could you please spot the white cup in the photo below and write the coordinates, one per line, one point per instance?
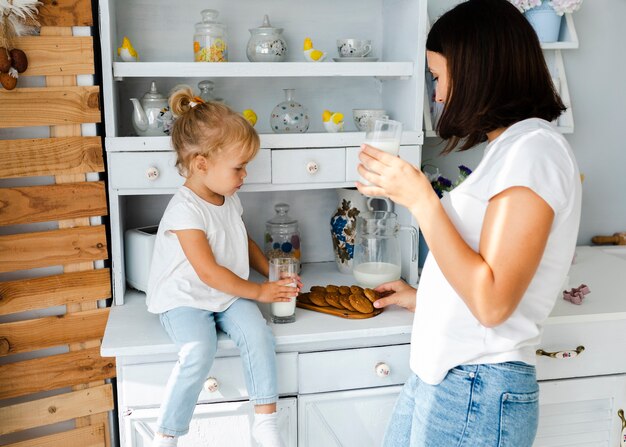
(281, 268)
(384, 135)
(353, 47)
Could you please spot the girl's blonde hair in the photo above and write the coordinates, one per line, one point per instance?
(207, 129)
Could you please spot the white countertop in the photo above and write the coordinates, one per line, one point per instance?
(132, 331)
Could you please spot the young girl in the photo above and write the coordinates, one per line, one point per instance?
(200, 267)
(501, 243)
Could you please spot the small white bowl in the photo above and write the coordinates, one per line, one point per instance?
(363, 118)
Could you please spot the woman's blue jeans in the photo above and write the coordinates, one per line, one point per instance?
(475, 405)
(194, 333)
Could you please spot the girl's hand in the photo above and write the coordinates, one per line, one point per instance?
(277, 291)
(391, 177)
(399, 293)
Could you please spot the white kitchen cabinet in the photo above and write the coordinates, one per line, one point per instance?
(582, 412)
(224, 424)
(346, 418)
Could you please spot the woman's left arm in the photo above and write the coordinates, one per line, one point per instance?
(258, 261)
(515, 231)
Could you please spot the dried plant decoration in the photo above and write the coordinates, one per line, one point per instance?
(17, 18)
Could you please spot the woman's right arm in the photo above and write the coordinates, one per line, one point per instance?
(199, 253)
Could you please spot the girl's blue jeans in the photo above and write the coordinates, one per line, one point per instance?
(475, 405)
(194, 333)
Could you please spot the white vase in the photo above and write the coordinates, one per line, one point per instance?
(545, 21)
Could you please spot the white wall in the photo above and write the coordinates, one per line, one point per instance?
(596, 74)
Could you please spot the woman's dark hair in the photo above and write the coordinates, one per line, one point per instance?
(497, 74)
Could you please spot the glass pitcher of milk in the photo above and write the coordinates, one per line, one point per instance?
(377, 248)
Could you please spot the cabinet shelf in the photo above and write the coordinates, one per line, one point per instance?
(395, 70)
(273, 141)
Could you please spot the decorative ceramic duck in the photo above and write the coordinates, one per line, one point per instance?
(310, 53)
(126, 52)
(250, 116)
(333, 121)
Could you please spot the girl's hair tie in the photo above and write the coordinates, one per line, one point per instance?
(196, 101)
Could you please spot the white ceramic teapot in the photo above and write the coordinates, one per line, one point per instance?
(148, 115)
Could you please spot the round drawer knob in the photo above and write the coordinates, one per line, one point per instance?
(211, 385)
(152, 173)
(312, 167)
(382, 369)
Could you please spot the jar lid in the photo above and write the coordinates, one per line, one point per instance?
(266, 27)
(153, 93)
(282, 220)
(209, 21)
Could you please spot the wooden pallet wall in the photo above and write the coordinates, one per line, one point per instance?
(73, 383)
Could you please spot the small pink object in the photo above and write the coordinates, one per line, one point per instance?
(576, 295)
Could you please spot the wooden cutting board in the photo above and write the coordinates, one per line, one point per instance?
(338, 312)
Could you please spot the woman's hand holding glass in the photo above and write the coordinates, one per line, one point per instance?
(391, 177)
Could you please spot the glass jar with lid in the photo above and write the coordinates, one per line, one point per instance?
(209, 42)
(206, 91)
(282, 237)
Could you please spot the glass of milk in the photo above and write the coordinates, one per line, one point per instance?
(384, 134)
(281, 268)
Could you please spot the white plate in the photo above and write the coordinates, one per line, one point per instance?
(355, 59)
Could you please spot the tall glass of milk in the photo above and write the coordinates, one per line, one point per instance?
(281, 268)
(384, 134)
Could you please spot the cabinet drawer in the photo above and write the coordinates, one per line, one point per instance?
(603, 343)
(353, 368)
(409, 153)
(325, 165)
(144, 384)
(140, 170)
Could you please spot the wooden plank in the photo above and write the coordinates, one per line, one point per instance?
(48, 106)
(71, 130)
(52, 202)
(89, 436)
(49, 156)
(52, 55)
(54, 372)
(51, 410)
(45, 332)
(65, 13)
(49, 248)
(69, 288)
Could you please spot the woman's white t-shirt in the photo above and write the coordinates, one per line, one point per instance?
(530, 153)
(173, 282)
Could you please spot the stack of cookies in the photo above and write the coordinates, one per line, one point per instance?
(352, 298)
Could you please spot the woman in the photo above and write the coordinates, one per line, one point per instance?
(500, 244)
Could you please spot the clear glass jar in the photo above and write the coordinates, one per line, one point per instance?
(282, 237)
(209, 42)
(206, 91)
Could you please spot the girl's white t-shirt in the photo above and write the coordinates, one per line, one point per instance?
(530, 153)
(173, 282)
